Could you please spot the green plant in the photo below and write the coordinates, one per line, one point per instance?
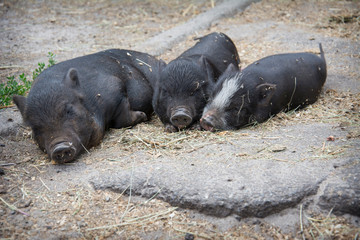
(51, 61)
(21, 85)
(38, 70)
(13, 87)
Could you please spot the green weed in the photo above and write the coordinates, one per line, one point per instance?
(21, 86)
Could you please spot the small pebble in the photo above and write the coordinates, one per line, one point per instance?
(24, 203)
(189, 236)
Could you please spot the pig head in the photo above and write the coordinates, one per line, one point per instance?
(62, 125)
(182, 92)
(186, 82)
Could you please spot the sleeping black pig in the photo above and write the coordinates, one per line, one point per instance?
(72, 103)
(186, 82)
(264, 88)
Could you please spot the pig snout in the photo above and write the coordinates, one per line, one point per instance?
(181, 117)
(207, 123)
(63, 152)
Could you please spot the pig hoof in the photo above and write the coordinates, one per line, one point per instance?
(63, 152)
(139, 117)
(170, 128)
(196, 126)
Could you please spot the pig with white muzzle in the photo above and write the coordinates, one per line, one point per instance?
(266, 87)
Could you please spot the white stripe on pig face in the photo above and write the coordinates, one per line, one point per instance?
(229, 87)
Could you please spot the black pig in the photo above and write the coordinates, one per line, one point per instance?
(72, 103)
(186, 82)
(264, 88)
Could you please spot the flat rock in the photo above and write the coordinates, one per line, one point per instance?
(342, 190)
(216, 181)
(250, 188)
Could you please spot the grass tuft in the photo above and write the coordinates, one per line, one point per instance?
(22, 85)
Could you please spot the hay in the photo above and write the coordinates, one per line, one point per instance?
(12, 207)
(44, 184)
(137, 220)
(328, 226)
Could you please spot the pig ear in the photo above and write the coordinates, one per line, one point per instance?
(231, 68)
(209, 70)
(160, 67)
(265, 92)
(20, 102)
(72, 79)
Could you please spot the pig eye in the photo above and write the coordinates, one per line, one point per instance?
(36, 130)
(164, 93)
(197, 86)
(233, 107)
(193, 92)
(69, 110)
(244, 112)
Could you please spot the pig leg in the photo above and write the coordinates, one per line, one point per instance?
(125, 117)
(196, 126)
(137, 117)
(170, 128)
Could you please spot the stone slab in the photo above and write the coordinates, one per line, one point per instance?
(216, 181)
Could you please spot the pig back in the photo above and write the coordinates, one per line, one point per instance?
(298, 77)
(141, 72)
(111, 74)
(147, 65)
(218, 49)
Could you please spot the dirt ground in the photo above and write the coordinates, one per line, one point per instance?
(31, 208)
